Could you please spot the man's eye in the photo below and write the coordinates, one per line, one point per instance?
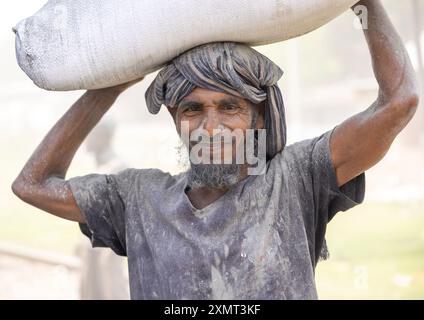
(191, 110)
(230, 107)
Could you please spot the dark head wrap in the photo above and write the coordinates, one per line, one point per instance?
(228, 67)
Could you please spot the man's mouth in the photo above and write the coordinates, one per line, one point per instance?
(211, 152)
(213, 143)
(213, 147)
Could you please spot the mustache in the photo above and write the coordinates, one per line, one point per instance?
(215, 141)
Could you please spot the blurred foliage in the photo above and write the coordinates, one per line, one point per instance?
(376, 252)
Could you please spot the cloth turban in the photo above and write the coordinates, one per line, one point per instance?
(228, 67)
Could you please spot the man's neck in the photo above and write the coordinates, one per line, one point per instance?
(204, 196)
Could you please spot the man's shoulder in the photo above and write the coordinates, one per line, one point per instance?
(304, 148)
(149, 177)
(302, 155)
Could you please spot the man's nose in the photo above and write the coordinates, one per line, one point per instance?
(211, 122)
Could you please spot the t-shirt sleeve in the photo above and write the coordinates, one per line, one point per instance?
(312, 167)
(329, 198)
(101, 199)
(311, 176)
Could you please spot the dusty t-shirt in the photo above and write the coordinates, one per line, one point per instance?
(260, 240)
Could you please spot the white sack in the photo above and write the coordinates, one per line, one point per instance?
(87, 44)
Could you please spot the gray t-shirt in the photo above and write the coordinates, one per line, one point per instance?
(260, 240)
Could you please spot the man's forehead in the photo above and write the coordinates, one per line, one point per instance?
(200, 96)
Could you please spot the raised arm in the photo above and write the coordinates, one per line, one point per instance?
(41, 182)
(363, 140)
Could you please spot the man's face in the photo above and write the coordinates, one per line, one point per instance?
(213, 111)
(210, 114)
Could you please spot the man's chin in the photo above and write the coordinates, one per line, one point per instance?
(216, 176)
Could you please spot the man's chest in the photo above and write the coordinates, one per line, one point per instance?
(251, 252)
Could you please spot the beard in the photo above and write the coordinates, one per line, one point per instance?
(216, 176)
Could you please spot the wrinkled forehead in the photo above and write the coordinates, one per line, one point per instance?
(211, 96)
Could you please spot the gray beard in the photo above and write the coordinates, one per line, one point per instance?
(216, 176)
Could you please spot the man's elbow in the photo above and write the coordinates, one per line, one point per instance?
(412, 101)
(406, 105)
(20, 188)
(25, 189)
(56, 200)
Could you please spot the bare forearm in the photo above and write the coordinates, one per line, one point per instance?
(55, 153)
(362, 140)
(392, 66)
(41, 182)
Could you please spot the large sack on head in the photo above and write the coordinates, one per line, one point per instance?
(88, 44)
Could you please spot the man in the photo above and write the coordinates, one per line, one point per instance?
(216, 231)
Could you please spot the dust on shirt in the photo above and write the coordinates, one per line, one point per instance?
(260, 240)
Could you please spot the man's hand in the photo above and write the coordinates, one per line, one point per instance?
(41, 182)
(363, 140)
